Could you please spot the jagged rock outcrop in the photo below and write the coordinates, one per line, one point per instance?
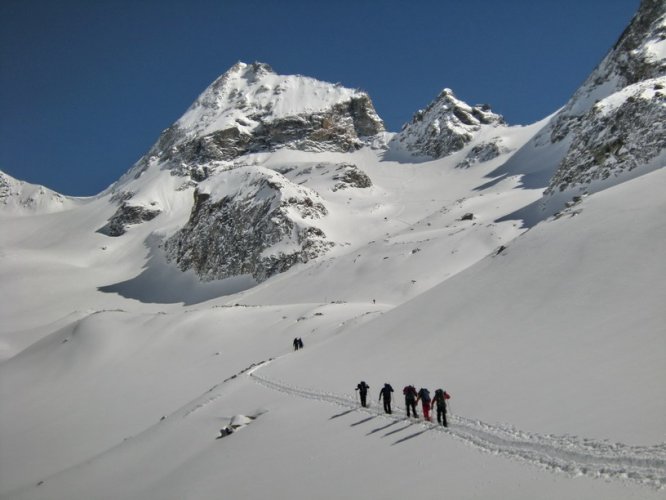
(445, 126)
(127, 215)
(615, 122)
(250, 220)
(616, 137)
(350, 176)
(483, 152)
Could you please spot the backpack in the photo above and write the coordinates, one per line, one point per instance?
(425, 395)
(409, 391)
(441, 395)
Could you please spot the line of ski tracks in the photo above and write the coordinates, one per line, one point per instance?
(645, 465)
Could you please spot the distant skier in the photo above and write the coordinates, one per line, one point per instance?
(440, 398)
(410, 400)
(300, 343)
(385, 394)
(295, 344)
(362, 389)
(424, 397)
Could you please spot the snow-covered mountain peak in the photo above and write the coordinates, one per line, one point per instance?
(251, 108)
(638, 55)
(445, 126)
(248, 95)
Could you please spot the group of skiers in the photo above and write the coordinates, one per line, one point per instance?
(298, 343)
(412, 398)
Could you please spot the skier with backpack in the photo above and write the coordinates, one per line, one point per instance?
(385, 394)
(424, 397)
(440, 398)
(410, 399)
(362, 389)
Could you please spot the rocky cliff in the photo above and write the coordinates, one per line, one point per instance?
(250, 220)
(616, 121)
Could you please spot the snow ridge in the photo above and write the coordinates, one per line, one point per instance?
(571, 455)
(21, 198)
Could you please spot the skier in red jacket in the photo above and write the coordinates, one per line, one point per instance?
(424, 397)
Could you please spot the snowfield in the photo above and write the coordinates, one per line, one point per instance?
(552, 351)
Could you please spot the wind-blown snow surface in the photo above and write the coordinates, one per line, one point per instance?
(552, 348)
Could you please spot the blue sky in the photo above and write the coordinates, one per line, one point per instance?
(87, 86)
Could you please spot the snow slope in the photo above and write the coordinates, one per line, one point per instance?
(551, 349)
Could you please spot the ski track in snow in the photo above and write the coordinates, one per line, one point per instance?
(571, 455)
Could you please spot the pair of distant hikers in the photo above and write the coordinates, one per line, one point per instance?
(412, 397)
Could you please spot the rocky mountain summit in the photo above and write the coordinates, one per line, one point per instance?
(446, 126)
(615, 122)
(250, 108)
(247, 220)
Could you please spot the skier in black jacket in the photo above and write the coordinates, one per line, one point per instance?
(440, 398)
(385, 393)
(362, 389)
(410, 399)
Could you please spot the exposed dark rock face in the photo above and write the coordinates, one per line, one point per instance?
(614, 142)
(127, 215)
(5, 186)
(445, 126)
(480, 153)
(350, 176)
(257, 230)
